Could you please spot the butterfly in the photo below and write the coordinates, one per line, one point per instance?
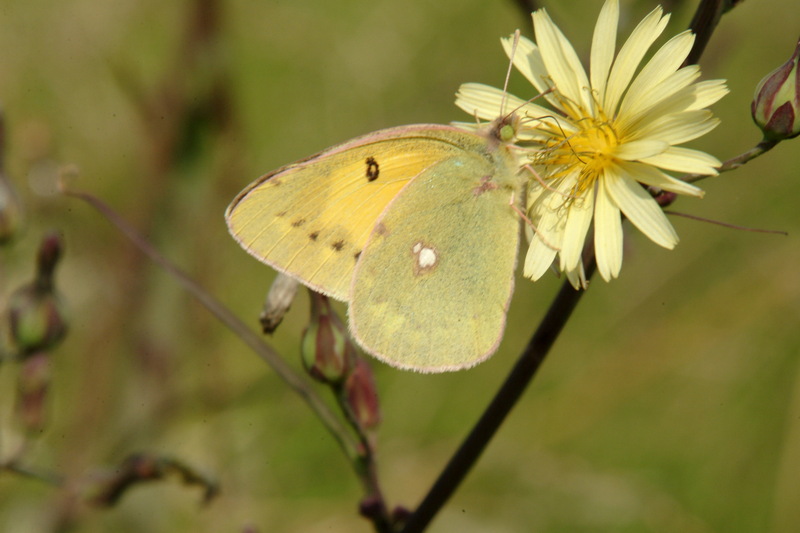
(416, 227)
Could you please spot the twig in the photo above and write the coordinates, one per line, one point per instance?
(506, 398)
(735, 162)
(247, 335)
(44, 476)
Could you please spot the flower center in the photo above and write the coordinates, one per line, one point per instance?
(586, 152)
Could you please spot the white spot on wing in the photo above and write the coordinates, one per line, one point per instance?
(426, 258)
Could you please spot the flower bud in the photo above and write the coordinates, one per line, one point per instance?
(326, 349)
(776, 103)
(361, 395)
(37, 317)
(34, 380)
(279, 299)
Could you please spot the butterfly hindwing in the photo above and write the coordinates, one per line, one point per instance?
(312, 219)
(432, 287)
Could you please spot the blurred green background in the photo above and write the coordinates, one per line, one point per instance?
(671, 402)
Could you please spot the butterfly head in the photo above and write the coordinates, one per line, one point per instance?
(504, 129)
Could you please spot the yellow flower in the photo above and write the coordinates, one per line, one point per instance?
(602, 137)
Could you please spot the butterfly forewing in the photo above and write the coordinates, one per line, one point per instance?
(312, 219)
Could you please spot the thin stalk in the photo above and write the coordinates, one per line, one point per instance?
(495, 414)
(263, 350)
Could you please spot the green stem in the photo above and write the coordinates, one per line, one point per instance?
(735, 162)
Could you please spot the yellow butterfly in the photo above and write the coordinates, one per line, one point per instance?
(415, 226)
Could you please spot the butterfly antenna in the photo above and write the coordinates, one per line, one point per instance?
(514, 45)
(508, 72)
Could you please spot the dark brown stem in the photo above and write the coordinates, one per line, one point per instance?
(527, 7)
(506, 398)
(703, 24)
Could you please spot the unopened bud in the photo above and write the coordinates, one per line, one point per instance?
(34, 380)
(361, 395)
(326, 348)
(776, 103)
(37, 317)
(279, 299)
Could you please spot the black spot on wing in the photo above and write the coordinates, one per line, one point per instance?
(313, 235)
(373, 170)
(338, 245)
(357, 255)
(299, 222)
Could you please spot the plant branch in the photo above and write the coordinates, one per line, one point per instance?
(373, 506)
(506, 398)
(331, 422)
(44, 476)
(703, 24)
(735, 162)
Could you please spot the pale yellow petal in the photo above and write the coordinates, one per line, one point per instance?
(481, 101)
(679, 159)
(607, 234)
(579, 217)
(630, 55)
(674, 95)
(486, 101)
(562, 62)
(651, 105)
(640, 208)
(707, 93)
(604, 43)
(635, 150)
(665, 62)
(577, 277)
(538, 259)
(546, 237)
(655, 178)
(678, 128)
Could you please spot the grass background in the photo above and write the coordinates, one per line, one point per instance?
(671, 402)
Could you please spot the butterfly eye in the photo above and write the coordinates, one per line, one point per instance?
(507, 133)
